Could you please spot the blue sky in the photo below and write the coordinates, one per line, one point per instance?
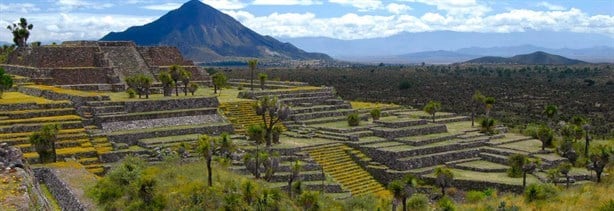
(58, 20)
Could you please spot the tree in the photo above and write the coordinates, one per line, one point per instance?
(432, 107)
(488, 125)
(219, 80)
(443, 178)
(44, 142)
(263, 77)
(564, 168)
(587, 140)
(296, 172)
(488, 104)
(177, 73)
(167, 83)
(545, 135)
(477, 100)
(6, 82)
(192, 88)
(255, 133)
(527, 168)
(521, 164)
(269, 107)
(21, 32)
(600, 156)
(225, 146)
(271, 165)
(550, 112)
(141, 83)
(252, 63)
(402, 189)
(185, 79)
(206, 146)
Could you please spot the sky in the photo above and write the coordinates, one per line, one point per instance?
(60, 20)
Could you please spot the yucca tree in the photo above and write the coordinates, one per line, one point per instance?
(176, 72)
(488, 125)
(296, 171)
(444, 178)
(600, 156)
(550, 111)
(21, 32)
(564, 169)
(488, 104)
(402, 189)
(206, 146)
(263, 77)
(477, 100)
(431, 108)
(545, 135)
(252, 64)
(269, 107)
(255, 133)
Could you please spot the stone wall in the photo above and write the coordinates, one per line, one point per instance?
(131, 138)
(171, 104)
(65, 197)
(76, 100)
(479, 185)
(57, 57)
(162, 56)
(82, 75)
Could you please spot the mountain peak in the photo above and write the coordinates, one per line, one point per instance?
(203, 33)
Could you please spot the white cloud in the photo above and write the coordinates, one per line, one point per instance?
(163, 7)
(18, 7)
(457, 7)
(354, 26)
(362, 5)
(225, 4)
(77, 26)
(68, 5)
(395, 8)
(550, 6)
(286, 2)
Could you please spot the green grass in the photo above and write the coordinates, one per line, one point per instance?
(490, 177)
(342, 124)
(17, 98)
(65, 91)
(459, 127)
(288, 143)
(482, 164)
(52, 201)
(532, 145)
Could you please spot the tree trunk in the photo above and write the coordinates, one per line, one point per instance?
(268, 137)
(394, 205)
(543, 145)
(290, 188)
(251, 83)
(586, 145)
(598, 175)
(214, 89)
(176, 89)
(185, 89)
(404, 203)
(433, 117)
(472, 117)
(567, 184)
(209, 173)
(257, 163)
(443, 190)
(524, 180)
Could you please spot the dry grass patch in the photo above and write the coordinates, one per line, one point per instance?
(17, 98)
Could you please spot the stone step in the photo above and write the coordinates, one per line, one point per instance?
(26, 114)
(154, 115)
(400, 123)
(427, 139)
(433, 159)
(130, 137)
(151, 143)
(35, 106)
(452, 119)
(30, 127)
(462, 161)
(392, 133)
(502, 151)
(495, 158)
(301, 100)
(322, 114)
(482, 166)
(319, 108)
(41, 120)
(106, 110)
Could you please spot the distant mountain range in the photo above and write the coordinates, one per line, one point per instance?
(451, 47)
(538, 57)
(203, 33)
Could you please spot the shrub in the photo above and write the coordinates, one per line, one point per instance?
(353, 120)
(131, 93)
(503, 207)
(376, 113)
(446, 204)
(608, 206)
(490, 193)
(418, 202)
(536, 192)
(475, 196)
(404, 85)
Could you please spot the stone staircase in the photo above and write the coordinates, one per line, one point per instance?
(242, 114)
(337, 163)
(20, 120)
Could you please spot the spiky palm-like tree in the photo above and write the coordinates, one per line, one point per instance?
(252, 63)
(21, 32)
(444, 178)
(600, 156)
(206, 146)
(432, 107)
(488, 104)
(477, 100)
(269, 107)
(545, 135)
